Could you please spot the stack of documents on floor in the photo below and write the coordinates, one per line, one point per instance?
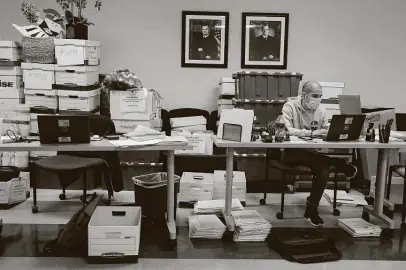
(144, 136)
(206, 226)
(216, 206)
(191, 123)
(250, 226)
(343, 198)
(195, 187)
(358, 227)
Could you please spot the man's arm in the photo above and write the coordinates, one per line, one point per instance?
(287, 113)
(325, 124)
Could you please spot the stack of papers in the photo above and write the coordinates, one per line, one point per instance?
(216, 206)
(358, 227)
(195, 187)
(250, 226)
(343, 198)
(206, 226)
(164, 141)
(141, 133)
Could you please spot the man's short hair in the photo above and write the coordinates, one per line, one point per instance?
(206, 24)
(308, 86)
(265, 25)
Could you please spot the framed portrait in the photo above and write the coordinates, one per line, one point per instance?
(205, 39)
(264, 40)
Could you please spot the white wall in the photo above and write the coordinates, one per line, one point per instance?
(360, 42)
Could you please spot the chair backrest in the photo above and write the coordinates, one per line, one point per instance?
(187, 112)
(401, 121)
(213, 121)
(101, 125)
(166, 125)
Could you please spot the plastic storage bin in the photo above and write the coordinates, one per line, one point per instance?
(151, 194)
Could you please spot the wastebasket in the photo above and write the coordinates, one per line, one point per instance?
(150, 192)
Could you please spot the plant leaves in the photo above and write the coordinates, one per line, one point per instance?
(52, 11)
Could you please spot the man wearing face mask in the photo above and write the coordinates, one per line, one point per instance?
(304, 117)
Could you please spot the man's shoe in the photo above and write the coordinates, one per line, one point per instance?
(312, 215)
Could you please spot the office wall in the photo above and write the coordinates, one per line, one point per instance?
(360, 42)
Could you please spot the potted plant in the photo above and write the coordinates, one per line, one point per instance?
(76, 23)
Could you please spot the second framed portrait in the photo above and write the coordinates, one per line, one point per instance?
(205, 39)
(264, 40)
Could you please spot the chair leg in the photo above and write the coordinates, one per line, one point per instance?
(389, 184)
(263, 201)
(62, 196)
(280, 214)
(83, 197)
(336, 212)
(404, 205)
(33, 178)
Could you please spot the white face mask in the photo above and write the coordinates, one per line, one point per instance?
(313, 103)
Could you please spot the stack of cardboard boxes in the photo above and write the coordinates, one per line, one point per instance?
(13, 113)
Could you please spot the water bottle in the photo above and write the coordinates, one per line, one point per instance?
(280, 129)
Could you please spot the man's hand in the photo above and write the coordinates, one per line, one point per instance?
(320, 132)
(208, 57)
(200, 49)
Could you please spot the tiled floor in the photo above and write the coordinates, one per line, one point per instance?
(25, 234)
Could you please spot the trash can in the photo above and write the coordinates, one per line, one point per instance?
(150, 192)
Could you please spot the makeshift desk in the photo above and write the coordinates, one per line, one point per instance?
(382, 164)
(107, 146)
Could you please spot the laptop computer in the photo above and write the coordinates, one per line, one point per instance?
(345, 128)
(350, 104)
(54, 129)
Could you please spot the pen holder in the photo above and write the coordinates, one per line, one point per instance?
(384, 135)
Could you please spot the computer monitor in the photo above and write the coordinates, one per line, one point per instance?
(350, 104)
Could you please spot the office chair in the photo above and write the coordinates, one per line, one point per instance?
(286, 169)
(72, 164)
(400, 170)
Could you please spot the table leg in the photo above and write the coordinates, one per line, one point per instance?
(171, 196)
(229, 189)
(377, 210)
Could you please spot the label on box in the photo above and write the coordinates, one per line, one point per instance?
(70, 55)
(133, 101)
(18, 189)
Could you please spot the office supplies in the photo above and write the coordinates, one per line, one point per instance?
(215, 206)
(250, 226)
(114, 232)
(244, 118)
(232, 132)
(64, 129)
(350, 104)
(357, 227)
(206, 226)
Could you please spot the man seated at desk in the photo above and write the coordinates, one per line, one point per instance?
(303, 117)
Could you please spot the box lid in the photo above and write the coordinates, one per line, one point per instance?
(47, 67)
(11, 71)
(78, 69)
(226, 80)
(78, 94)
(239, 177)
(36, 92)
(189, 177)
(10, 44)
(332, 84)
(77, 42)
(116, 216)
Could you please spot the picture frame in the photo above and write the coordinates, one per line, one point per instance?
(264, 40)
(205, 38)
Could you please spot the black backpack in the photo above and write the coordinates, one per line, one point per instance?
(72, 239)
(304, 246)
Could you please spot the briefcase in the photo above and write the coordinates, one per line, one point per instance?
(304, 246)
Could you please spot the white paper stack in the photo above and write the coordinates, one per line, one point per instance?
(343, 198)
(191, 123)
(195, 187)
(216, 206)
(239, 185)
(206, 226)
(357, 227)
(250, 226)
